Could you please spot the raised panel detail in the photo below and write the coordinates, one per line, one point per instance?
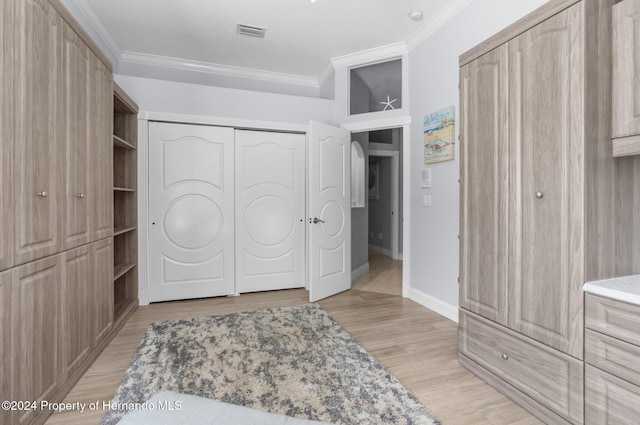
(270, 210)
(546, 177)
(193, 159)
(7, 131)
(175, 272)
(626, 68)
(8, 348)
(546, 375)
(101, 155)
(332, 156)
(37, 338)
(38, 175)
(613, 355)
(484, 190)
(101, 297)
(614, 318)
(78, 196)
(610, 400)
(191, 210)
(77, 308)
(280, 169)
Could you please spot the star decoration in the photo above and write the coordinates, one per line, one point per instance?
(388, 103)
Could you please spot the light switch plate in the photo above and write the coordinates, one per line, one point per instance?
(426, 200)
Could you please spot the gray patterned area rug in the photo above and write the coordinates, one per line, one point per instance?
(295, 361)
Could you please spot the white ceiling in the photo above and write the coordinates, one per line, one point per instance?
(301, 37)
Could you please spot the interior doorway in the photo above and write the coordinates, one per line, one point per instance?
(377, 235)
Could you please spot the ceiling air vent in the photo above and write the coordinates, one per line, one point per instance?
(251, 30)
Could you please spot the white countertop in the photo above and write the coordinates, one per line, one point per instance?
(625, 288)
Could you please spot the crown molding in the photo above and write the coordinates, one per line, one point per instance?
(218, 69)
(97, 25)
(325, 74)
(370, 55)
(434, 23)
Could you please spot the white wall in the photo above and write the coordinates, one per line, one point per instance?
(433, 83)
(193, 99)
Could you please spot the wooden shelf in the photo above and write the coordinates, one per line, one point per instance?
(125, 205)
(121, 231)
(120, 270)
(124, 304)
(119, 142)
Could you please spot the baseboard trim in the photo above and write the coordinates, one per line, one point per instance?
(359, 271)
(442, 308)
(380, 250)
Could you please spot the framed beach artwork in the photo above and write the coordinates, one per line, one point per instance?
(439, 136)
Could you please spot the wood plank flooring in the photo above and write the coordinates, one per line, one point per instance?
(415, 344)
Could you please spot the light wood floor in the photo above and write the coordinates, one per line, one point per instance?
(384, 275)
(415, 344)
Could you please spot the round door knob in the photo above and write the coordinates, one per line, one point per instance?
(505, 356)
(43, 194)
(80, 196)
(539, 194)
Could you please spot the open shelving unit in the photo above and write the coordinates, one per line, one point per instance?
(125, 205)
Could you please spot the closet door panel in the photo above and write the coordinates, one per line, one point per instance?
(484, 191)
(7, 383)
(270, 210)
(191, 238)
(76, 321)
(38, 140)
(7, 133)
(101, 297)
(626, 68)
(101, 149)
(38, 340)
(78, 196)
(546, 180)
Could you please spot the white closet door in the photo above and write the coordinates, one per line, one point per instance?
(270, 210)
(329, 211)
(191, 214)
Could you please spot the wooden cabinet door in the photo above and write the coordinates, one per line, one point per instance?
(546, 84)
(102, 289)
(610, 400)
(483, 186)
(7, 82)
(76, 60)
(37, 337)
(38, 140)
(7, 383)
(626, 68)
(76, 324)
(101, 149)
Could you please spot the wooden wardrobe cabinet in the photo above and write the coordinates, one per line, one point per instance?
(626, 78)
(543, 203)
(56, 209)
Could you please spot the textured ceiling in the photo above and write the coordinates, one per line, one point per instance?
(300, 40)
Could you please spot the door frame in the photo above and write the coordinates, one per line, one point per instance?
(395, 189)
(403, 122)
(143, 172)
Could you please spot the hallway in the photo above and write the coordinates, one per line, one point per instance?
(384, 275)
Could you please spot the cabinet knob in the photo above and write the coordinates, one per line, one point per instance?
(43, 194)
(505, 356)
(539, 194)
(80, 196)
